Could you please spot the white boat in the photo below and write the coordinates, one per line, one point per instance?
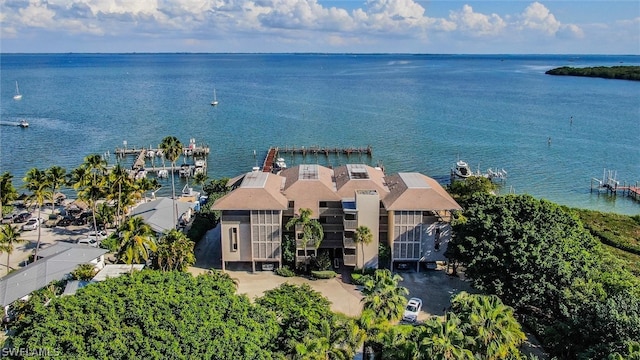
(462, 170)
(23, 123)
(163, 174)
(280, 163)
(17, 96)
(214, 102)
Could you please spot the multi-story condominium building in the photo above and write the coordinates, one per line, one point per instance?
(408, 211)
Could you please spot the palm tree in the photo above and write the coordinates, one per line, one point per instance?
(56, 176)
(7, 191)
(498, 334)
(118, 177)
(36, 181)
(445, 339)
(171, 149)
(362, 236)
(136, 241)
(9, 237)
(175, 251)
(200, 178)
(384, 296)
(90, 182)
(312, 231)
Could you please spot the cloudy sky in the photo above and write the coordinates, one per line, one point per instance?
(332, 26)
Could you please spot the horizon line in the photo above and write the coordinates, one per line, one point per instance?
(308, 53)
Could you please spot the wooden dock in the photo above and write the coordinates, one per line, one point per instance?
(267, 165)
(610, 184)
(272, 153)
(315, 150)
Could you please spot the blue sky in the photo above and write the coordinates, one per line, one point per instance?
(332, 26)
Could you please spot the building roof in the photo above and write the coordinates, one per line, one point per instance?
(352, 177)
(158, 214)
(258, 191)
(309, 184)
(55, 263)
(414, 191)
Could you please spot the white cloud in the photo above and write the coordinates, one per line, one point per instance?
(295, 24)
(477, 24)
(537, 17)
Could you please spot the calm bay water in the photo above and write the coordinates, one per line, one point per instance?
(418, 112)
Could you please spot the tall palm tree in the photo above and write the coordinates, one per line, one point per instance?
(118, 178)
(136, 241)
(7, 192)
(312, 231)
(171, 149)
(498, 334)
(90, 182)
(200, 178)
(362, 236)
(56, 176)
(37, 183)
(9, 237)
(384, 296)
(175, 251)
(445, 339)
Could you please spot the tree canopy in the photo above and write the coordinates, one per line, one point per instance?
(538, 258)
(151, 315)
(607, 72)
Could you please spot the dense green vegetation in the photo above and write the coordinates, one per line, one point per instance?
(538, 258)
(151, 315)
(607, 72)
(620, 231)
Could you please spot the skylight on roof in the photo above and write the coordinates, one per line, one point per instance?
(308, 172)
(255, 179)
(357, 171)
(414, 181)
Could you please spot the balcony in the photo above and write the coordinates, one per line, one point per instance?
(331, 212)
(350, 224)
(332, 227)
(349, 260)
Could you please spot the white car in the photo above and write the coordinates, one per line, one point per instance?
(32, 224)
(412, 310)
(101, 235)
(89, 241)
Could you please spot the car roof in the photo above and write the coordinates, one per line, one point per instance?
(414, 301)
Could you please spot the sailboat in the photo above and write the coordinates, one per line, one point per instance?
(215, 99)
(17, 96)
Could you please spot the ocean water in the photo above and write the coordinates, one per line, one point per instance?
(418, 112)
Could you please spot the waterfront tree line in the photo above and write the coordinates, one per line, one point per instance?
(533, 260)
(607, 72)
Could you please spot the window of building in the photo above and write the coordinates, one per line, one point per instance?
(292, 205)
(234, 239)
(323, 204)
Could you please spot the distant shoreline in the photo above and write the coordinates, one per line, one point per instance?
(605, 72)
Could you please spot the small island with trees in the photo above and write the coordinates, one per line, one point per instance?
(606, 72)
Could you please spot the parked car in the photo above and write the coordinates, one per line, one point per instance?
(89, 241)
(101, 235)
(22, 217)
(32, 224)
(8, 219)
(412, 310)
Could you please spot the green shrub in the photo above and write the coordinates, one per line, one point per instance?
(285, 272)
(110, 243)
(359, 279)
(326, 274)
(84, 272)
